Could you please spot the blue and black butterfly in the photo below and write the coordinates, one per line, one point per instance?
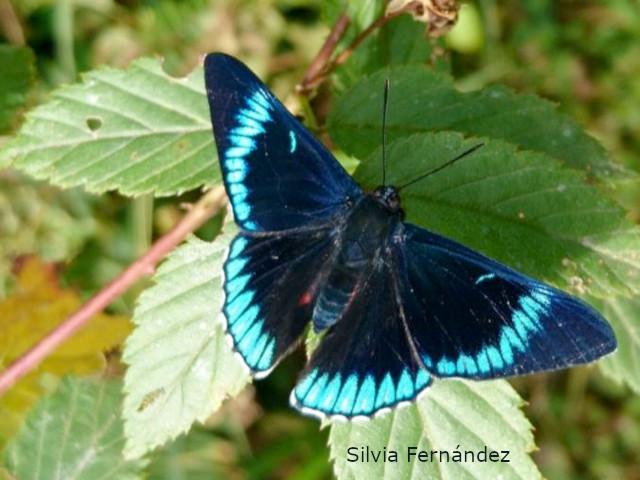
(397, 305)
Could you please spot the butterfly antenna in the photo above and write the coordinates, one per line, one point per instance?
(385, 103)
(443, 166)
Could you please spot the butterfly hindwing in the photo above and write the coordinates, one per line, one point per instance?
(269, 290)
(473, 317)
(277, 175)
(365, 362)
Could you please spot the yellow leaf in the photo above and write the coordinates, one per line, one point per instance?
(35, 307)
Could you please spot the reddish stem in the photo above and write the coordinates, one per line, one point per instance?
(323, 57)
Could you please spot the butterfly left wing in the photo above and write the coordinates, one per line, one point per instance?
(288, 193)
(470, 316)
(277, 175)
(365, 362)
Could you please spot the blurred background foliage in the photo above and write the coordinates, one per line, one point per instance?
(583, 54)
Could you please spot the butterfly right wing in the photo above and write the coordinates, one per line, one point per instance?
(470, 316)
(270, 285)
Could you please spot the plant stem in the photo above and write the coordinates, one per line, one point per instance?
(142, 222)
(309, 114)
(319, 64)
(322, 66)
(211, 203)
(10, 23)
(63, 36)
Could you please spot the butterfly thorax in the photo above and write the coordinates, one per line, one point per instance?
(362, 242)
(389, 198)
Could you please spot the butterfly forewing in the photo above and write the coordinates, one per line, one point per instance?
(277, 175)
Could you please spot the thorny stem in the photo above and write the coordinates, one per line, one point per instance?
(211, 203)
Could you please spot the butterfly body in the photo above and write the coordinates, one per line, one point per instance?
(397, 304)
(362, 240)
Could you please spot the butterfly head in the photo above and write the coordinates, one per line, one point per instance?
(389, 198)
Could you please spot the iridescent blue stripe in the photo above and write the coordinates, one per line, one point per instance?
(386, 392)
(330, 394)
(266, 360)
(303, 387)
(242, 141)
(237, 246)
(248, 340)
(422, 379)
(251, 119)
(344, 403)
(485, 277)
(293, 142)
(366, 398)
(239, 304)
(313, 396)
(253, 357)
(234, 267)
(405, 388)
(240, 325)
(236, 285)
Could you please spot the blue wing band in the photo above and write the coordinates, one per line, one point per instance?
(323, 394)
(269, 286)
(513, 340)
(438, 309)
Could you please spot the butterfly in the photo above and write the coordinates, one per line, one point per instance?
(396, 304)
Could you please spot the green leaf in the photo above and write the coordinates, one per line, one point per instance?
(180, 366)
(37, 218)
(624, 365)
(360, 12)
(519, 207)
(137, 130)
(17, 67)
(76, 433)
(199, 455)
(363, 12)
(453, 415)
(421, 100)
